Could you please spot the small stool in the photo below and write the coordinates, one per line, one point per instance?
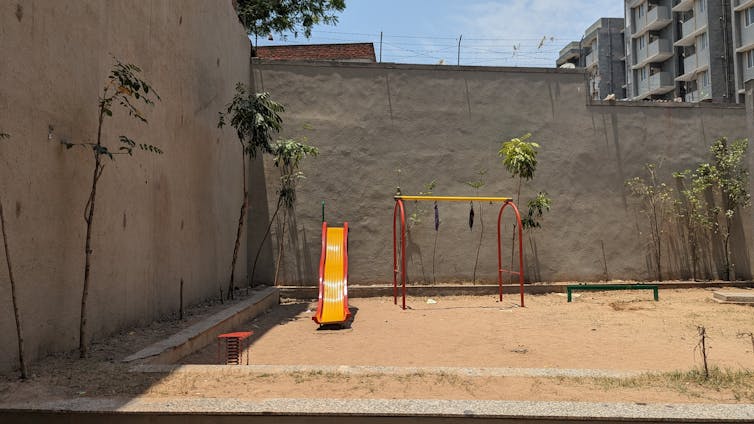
(234, 347)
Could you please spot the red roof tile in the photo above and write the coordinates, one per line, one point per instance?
(363, 52)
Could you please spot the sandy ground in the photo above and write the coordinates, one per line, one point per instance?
(609, 330)
(624, 330)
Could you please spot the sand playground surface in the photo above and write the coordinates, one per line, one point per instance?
(609, 331)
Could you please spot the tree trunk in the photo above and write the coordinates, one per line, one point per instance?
(88, 217)
(237, 245)
(16, 314)
(513, 238)
(264, 238)
(726, 242)
(282, 246)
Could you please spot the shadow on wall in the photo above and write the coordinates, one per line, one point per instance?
(259, 218)
(296, 248)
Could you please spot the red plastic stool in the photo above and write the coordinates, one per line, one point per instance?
(234, 347)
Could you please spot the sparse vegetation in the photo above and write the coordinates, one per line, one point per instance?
(655, 202)
(124, 88)
(256, 118)
(520, 160)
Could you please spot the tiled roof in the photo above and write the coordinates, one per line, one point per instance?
(362, 52)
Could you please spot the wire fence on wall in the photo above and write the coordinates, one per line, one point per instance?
(450, 50)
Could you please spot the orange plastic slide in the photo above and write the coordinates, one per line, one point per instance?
(332, 305)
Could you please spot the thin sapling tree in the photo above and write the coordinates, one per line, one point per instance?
(693, 212)
(288, 155)
(256, 118)
(520, 160)
(14, 297)
(124, 88)
(476, 185)
(655, 199)
(730, 175)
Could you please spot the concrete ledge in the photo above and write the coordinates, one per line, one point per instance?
(215, 410)
(734, 297)
(356, 291)
(201, 334)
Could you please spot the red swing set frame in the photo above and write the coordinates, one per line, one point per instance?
(400, 210)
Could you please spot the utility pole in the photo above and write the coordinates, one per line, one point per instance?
(458, 62)
(380, 46)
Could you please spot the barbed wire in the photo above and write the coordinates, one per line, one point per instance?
(525, 50)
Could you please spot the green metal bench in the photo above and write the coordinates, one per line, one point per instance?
(605, 287)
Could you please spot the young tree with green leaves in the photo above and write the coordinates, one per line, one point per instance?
(692, 210)
(656, 200)
(263, 17)
(520, 160)
(730, 175)
(288, 155)
(126, 89)
(14, 298)
(256, 118)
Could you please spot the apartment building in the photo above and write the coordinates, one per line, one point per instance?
(649, 35)
(742, 13)
(601, 52)
(679, 49)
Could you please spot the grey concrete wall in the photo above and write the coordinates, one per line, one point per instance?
(445, 123)
(159, 219)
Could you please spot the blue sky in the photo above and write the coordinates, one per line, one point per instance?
(494, 33)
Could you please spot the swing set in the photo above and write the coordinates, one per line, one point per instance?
(400, 211)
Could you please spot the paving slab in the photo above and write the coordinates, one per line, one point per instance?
(739, 297)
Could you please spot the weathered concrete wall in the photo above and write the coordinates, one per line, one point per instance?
(159, 219)
(382, 125)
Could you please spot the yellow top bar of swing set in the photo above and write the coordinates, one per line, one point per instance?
(455, 198)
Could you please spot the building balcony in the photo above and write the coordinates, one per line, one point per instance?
(684, 5)
(692, 29)
(748, 74)
(634, 3)
(746, 38)
(656, 18)
(590, 60)
(659, 50)
(739, 5)
(659, 83)
(570, 52)
(698, 95)
(694, 64)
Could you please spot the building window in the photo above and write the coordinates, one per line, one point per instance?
(642, 74)
(703, 41)
(749, 16)
(702, 5)
(642, 42)
(750, 59)
(705, 79)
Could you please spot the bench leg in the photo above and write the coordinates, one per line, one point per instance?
(657, 295)
(569, 294)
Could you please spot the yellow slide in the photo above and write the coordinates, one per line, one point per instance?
(332, 305)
